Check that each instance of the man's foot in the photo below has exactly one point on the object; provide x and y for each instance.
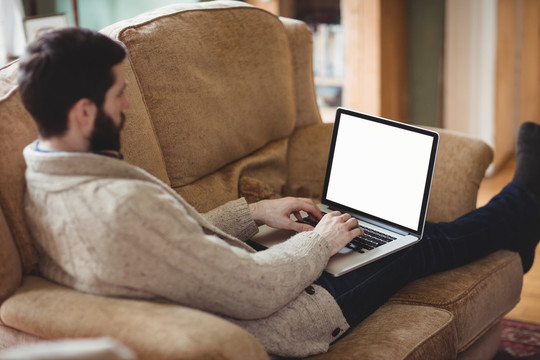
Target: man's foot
(526, 247)
(528, 158)
(527, 175)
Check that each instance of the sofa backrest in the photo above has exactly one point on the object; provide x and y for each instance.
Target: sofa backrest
(17, 130)
(218, 81)
(216, 89)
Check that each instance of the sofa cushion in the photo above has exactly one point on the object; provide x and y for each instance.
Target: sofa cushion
(11, 337)
(301, 47)
(140, 145)
(267, 165)
(477, 294)
(253, 190)
(398, 332)
(307, 168)
(17, 129)
(464, 162)
(153, 330)
(485, 347)
(10, 264)
(217, 83)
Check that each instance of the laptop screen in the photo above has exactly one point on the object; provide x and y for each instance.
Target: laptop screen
(380, 169)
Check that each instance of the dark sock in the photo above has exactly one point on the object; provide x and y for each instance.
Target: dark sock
(527, 253)
(527, 176)
(528, 158)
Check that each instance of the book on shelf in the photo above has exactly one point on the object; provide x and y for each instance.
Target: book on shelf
(328, 63)
(328, 50)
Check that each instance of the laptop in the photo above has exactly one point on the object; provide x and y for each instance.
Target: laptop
(380, 172)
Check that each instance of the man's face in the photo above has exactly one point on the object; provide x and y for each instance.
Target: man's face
(110, 117)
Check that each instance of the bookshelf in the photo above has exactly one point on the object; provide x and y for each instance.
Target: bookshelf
(358, 63)
(324, 19)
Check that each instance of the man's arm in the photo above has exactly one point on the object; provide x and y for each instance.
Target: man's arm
(234, 218)
(148, 241)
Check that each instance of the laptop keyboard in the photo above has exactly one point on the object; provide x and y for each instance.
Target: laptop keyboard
(369, 241)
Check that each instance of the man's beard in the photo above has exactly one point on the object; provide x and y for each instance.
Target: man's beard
(106, 135)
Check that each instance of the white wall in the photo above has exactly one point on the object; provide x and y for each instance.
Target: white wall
(97, 14)
(12, 39)
(469, 74)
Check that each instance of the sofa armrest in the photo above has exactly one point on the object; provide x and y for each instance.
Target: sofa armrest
(153, 330)
(306, 160)
(461, 165)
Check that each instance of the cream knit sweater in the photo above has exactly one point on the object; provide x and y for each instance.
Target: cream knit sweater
(109, 228)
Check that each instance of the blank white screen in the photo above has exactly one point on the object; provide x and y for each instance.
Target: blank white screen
(380, 170)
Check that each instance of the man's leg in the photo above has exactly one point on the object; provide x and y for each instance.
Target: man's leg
(509, 221)
(510, 216)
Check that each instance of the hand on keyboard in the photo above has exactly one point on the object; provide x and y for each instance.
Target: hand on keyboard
(276, 213)
(338, 229)
(368, 240)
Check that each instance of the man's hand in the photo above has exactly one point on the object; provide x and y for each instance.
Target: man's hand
(338, 230)
(277, 213)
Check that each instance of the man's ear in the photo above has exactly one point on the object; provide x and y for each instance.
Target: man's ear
(82, 115)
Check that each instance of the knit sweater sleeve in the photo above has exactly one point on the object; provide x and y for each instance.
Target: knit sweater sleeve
(147, 240)
(234, 218)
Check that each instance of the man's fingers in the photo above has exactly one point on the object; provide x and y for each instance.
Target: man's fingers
(357, 231)
(346, 216)
(300, 227)
(298, 216)
(333, 214)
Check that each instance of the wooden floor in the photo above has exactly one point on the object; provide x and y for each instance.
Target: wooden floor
(528, 308)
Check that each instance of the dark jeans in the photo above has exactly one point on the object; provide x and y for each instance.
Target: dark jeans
(443, 246)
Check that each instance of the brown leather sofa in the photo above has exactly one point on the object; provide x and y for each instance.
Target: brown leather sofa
(223, 105)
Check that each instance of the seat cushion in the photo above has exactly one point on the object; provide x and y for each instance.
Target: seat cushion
(477, 294)
(10, 337)
(155, 331)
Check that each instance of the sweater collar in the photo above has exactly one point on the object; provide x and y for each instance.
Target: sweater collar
(109, 153)
(80, 164)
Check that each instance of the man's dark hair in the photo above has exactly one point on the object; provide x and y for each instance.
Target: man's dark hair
(60, 68)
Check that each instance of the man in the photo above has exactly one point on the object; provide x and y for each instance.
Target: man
(106, 227)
